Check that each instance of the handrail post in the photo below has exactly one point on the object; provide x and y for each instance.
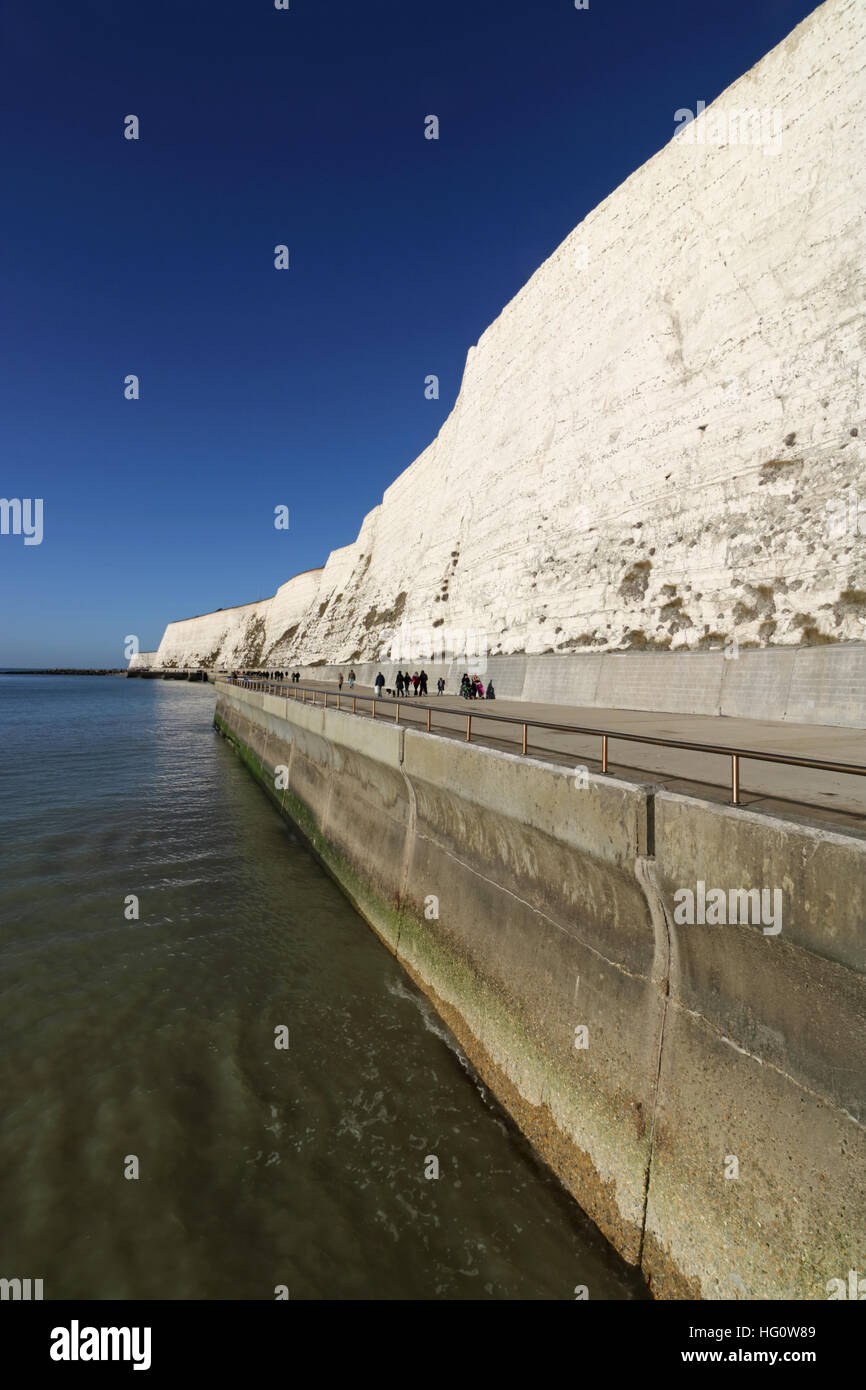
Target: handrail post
(735, 779)
(354, 708)
(604, 752)
(523, 744)
(373, 715)
(397, 713)
(468, 727)
(428, 721)
(338, 699)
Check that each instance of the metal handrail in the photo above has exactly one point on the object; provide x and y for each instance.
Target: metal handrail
(606, 735)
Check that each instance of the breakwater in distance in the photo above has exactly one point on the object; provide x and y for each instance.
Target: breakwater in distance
(694, 1078)
(68, 671)
(154, 1036)
(195, 674)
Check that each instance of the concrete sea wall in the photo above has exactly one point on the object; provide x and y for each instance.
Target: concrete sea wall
(639, 1056)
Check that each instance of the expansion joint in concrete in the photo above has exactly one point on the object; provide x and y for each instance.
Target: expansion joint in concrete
(289, 768)
(411, 828)
(645, 872)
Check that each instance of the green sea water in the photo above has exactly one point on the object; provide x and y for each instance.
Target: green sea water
(147, 1045)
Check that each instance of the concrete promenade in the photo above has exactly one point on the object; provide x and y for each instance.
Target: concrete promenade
(799, 794)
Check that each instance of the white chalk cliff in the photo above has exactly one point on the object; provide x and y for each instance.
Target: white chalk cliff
(658, 443)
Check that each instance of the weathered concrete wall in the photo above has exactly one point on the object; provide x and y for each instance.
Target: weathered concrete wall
(804, 685)
(556, 909)
(764, 1058)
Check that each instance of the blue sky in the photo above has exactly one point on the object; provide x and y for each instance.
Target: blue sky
(259, 387)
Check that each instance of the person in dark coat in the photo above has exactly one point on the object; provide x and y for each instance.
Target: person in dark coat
(379, 683)
(422, 682)
(399, 682)
(491, 693)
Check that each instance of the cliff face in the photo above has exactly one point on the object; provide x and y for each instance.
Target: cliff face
(658, 442)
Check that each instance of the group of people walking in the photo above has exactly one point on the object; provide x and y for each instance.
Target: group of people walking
(403, 683)
(246, 676)
(471, 687)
